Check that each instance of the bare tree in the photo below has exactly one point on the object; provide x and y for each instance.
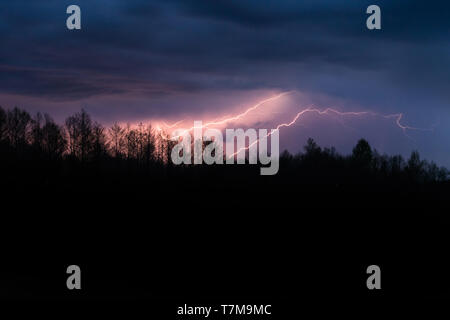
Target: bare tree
(36, 131)
(17, 126)
(80, 135)
(149, 144)
(117, 140)
(54, 142)
(100, 142)
(145, 143)
(131, 143)
(2, 124)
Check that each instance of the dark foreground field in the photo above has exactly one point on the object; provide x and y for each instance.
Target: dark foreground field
(152, 236)
(213, 238)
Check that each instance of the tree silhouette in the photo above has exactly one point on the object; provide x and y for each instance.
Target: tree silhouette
(362, 154)
(38, 149)
(18, 124)
(117, 140)
(54, 142)
(311, 148)
(3, 122)
(99, 141)
(81, 136)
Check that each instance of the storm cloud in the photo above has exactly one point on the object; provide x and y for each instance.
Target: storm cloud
(139, 59)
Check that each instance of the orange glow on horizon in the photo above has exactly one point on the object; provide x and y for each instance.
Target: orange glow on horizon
(164, 129)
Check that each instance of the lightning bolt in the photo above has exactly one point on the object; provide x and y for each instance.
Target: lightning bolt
(168, 126)
(397, 117)
(236, 117)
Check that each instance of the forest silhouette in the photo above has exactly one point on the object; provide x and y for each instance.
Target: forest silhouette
(81, 155)
(81, 192)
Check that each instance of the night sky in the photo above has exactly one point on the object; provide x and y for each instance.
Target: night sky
(138, 60)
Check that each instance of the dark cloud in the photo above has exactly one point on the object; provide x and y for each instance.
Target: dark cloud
(152, 41)
(185, 49)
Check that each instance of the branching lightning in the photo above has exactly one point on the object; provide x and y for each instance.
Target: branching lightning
(397, 117)
(233, 118)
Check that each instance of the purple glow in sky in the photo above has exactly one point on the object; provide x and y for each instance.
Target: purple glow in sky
(138, 61)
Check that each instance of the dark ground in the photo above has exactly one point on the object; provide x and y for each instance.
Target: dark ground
(151, 236)
(243, 241)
